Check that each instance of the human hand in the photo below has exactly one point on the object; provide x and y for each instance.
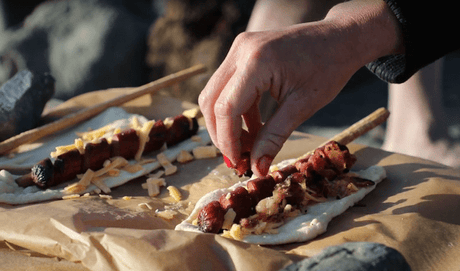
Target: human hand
(303, 67)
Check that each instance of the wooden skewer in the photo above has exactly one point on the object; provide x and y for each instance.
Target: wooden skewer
(358, 129)
(87, 113)
(361, 127)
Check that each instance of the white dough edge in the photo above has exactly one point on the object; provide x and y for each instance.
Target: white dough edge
(302, 228)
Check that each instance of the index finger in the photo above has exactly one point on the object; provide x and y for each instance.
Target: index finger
(238, 97)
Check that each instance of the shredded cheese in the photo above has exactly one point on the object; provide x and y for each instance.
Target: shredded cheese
(235, 232)
(113, 172)
(196, 138)
(191, 113)
(132, 168)
(82, 184)
(153, 186)
(228, 219)
(195, 222)
(156, 175)
(168, 167)
(352, 187)
(174, 193)
(203, 152)
(166, 214)
(143, 134)
(184, 157)
(72, 196)
(145, 206)
(95, 134)
(61, 150)
(168, 122)
(147, 161)
(115, 162)
(101, 184)
(135, 123)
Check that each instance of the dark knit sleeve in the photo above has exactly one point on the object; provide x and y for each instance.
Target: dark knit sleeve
(429, 32)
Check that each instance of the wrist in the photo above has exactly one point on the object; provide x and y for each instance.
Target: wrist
(370, 29)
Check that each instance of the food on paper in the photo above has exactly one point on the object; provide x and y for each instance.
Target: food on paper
(93, 148)
(184, 157)
(114, 119)
(153, 186)
(105, 196)
(144, 205)
(72, 196)
(203, 152)
(166, 214)
(196, 138)
(294, 203)
(174, 193)
(169, 168)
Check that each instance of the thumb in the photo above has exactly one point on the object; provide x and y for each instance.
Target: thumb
(291, 113)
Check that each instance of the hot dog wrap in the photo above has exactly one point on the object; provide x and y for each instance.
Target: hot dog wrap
(301, 228)
(11, 193)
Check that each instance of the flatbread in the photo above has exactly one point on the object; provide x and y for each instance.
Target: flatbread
(11, 193)
(302, 228)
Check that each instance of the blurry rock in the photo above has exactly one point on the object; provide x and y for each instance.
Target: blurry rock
(359, 256)
(15, 11)
(3, 19)
(22, 100)
(85, 44)
(192, 32)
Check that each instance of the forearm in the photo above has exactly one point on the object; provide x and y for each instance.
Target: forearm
(371, 29)
(274, 14)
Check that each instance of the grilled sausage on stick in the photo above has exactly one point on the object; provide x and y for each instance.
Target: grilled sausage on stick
(125, 144)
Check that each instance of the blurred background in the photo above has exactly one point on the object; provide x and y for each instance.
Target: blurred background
(91, 45)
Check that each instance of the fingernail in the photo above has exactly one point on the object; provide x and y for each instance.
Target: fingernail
(228, 162)
(263, 165)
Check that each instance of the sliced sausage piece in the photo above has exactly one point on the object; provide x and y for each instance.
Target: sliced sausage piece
(96, 154)
(211, 217)
(180, 130)
(125, 144)
(67, 166)
(261, 188)
(281, 174)
(157, 137)
(240, 201)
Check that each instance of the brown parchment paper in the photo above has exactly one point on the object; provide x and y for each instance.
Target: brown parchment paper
(415, 210)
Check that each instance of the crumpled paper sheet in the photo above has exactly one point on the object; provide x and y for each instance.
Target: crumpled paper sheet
(415, 210)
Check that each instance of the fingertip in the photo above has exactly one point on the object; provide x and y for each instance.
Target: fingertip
(262, 165)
